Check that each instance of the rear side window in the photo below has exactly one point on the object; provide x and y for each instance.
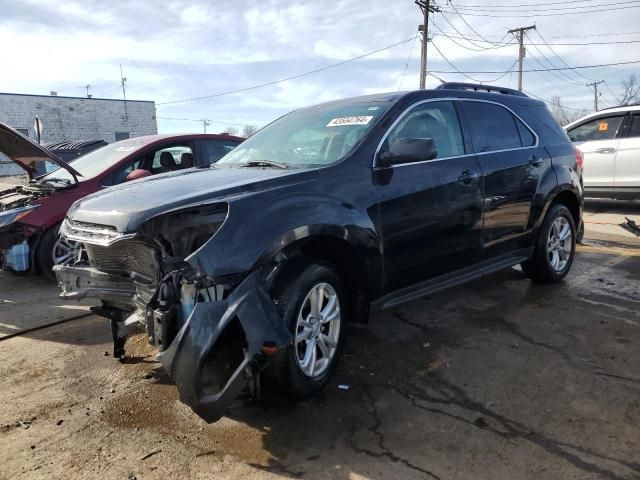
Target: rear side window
(492, 127)
(526, 137)
(635, 127)
(598, 129)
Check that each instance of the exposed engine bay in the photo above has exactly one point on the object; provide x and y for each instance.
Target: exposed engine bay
(213, 335)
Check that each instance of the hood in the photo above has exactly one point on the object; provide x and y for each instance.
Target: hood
(25, 153)
(127, 206)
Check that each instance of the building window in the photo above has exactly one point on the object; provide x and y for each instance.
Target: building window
(121, 136)
(23, 131)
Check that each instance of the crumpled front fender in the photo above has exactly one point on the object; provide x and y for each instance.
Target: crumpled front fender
(185, 358)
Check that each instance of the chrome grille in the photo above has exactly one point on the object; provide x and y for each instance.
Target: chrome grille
(92, 233)
(123, 258)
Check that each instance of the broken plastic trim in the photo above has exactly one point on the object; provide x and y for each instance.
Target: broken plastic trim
(185, 358)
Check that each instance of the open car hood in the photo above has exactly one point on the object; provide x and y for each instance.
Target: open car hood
(25, 153)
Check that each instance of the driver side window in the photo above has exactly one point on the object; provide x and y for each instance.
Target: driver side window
(435, 120)
(120, 175)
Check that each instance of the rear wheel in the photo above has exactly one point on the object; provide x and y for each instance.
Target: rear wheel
(310, 299)
(555, 248)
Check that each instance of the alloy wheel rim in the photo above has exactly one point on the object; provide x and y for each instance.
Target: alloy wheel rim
(65, 251)
(317, 330)
(559, 244)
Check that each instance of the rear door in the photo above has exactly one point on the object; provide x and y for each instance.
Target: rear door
(430, 212)
(512, 162)
(597, 139)
(627, 163)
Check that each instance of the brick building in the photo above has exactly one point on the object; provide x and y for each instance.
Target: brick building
(75, 118)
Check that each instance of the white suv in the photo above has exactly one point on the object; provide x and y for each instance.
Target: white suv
(610, 141)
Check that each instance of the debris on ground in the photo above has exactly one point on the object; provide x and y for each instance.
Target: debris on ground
(59, 422)
(151, 453)
(631, 226)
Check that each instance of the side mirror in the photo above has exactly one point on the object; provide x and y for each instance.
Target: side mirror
(137, 173)
(407, 150)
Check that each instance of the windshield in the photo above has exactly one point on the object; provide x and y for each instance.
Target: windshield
(97, 161)
(311, 137)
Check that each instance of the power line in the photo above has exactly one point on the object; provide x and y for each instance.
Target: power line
(407, 64)
(559, 44)
(554, 74)
(203, 120)
(560, 14)
(480, 47)
(542, 7)
(558, 57)
(474, 31)
(524, 4)
(561, 74)
(615, 34)
(503, 74)
(633, 62)
(452, 38)
(293, 77)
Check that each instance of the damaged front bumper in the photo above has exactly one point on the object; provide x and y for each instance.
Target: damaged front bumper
(209, 380)
(214, 351)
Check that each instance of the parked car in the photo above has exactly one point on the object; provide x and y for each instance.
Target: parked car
(30, 214)
(254, 267)
(69, 151)
(610, 142)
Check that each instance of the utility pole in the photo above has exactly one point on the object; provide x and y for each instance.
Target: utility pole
(87, 86)
(123, 80)
(595, 93)
(205, 124)
(519, 33)
(427, 7)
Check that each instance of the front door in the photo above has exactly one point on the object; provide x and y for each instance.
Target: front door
(627, 165)
(513, 164)
(430, 212)
(597, 139)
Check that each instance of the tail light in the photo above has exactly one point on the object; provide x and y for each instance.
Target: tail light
(579, 158)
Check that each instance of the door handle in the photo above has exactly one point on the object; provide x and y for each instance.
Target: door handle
(468, 177)
(606, 150)
(535, 161)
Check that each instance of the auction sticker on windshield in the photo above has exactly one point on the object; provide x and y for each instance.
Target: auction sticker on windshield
(360, 120)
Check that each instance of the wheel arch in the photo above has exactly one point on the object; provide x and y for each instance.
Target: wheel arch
(360, 280)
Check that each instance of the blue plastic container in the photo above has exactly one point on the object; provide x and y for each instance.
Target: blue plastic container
(17, 257)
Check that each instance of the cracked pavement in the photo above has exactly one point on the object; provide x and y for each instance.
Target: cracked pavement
(497, 379)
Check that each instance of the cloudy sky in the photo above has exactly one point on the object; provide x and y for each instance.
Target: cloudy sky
(173, 50)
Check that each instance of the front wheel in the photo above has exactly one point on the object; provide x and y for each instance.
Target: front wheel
(555, 248)
(54, 250)
(310, 300)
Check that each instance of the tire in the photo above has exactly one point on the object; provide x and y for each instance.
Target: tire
(580, 233)
(292, 295)
(546, 266)
(44, 253)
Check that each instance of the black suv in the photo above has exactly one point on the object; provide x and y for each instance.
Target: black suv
(251, 269)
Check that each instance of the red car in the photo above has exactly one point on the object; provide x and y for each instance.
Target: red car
(30, 214)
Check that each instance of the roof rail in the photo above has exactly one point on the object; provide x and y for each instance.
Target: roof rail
(478, 87)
